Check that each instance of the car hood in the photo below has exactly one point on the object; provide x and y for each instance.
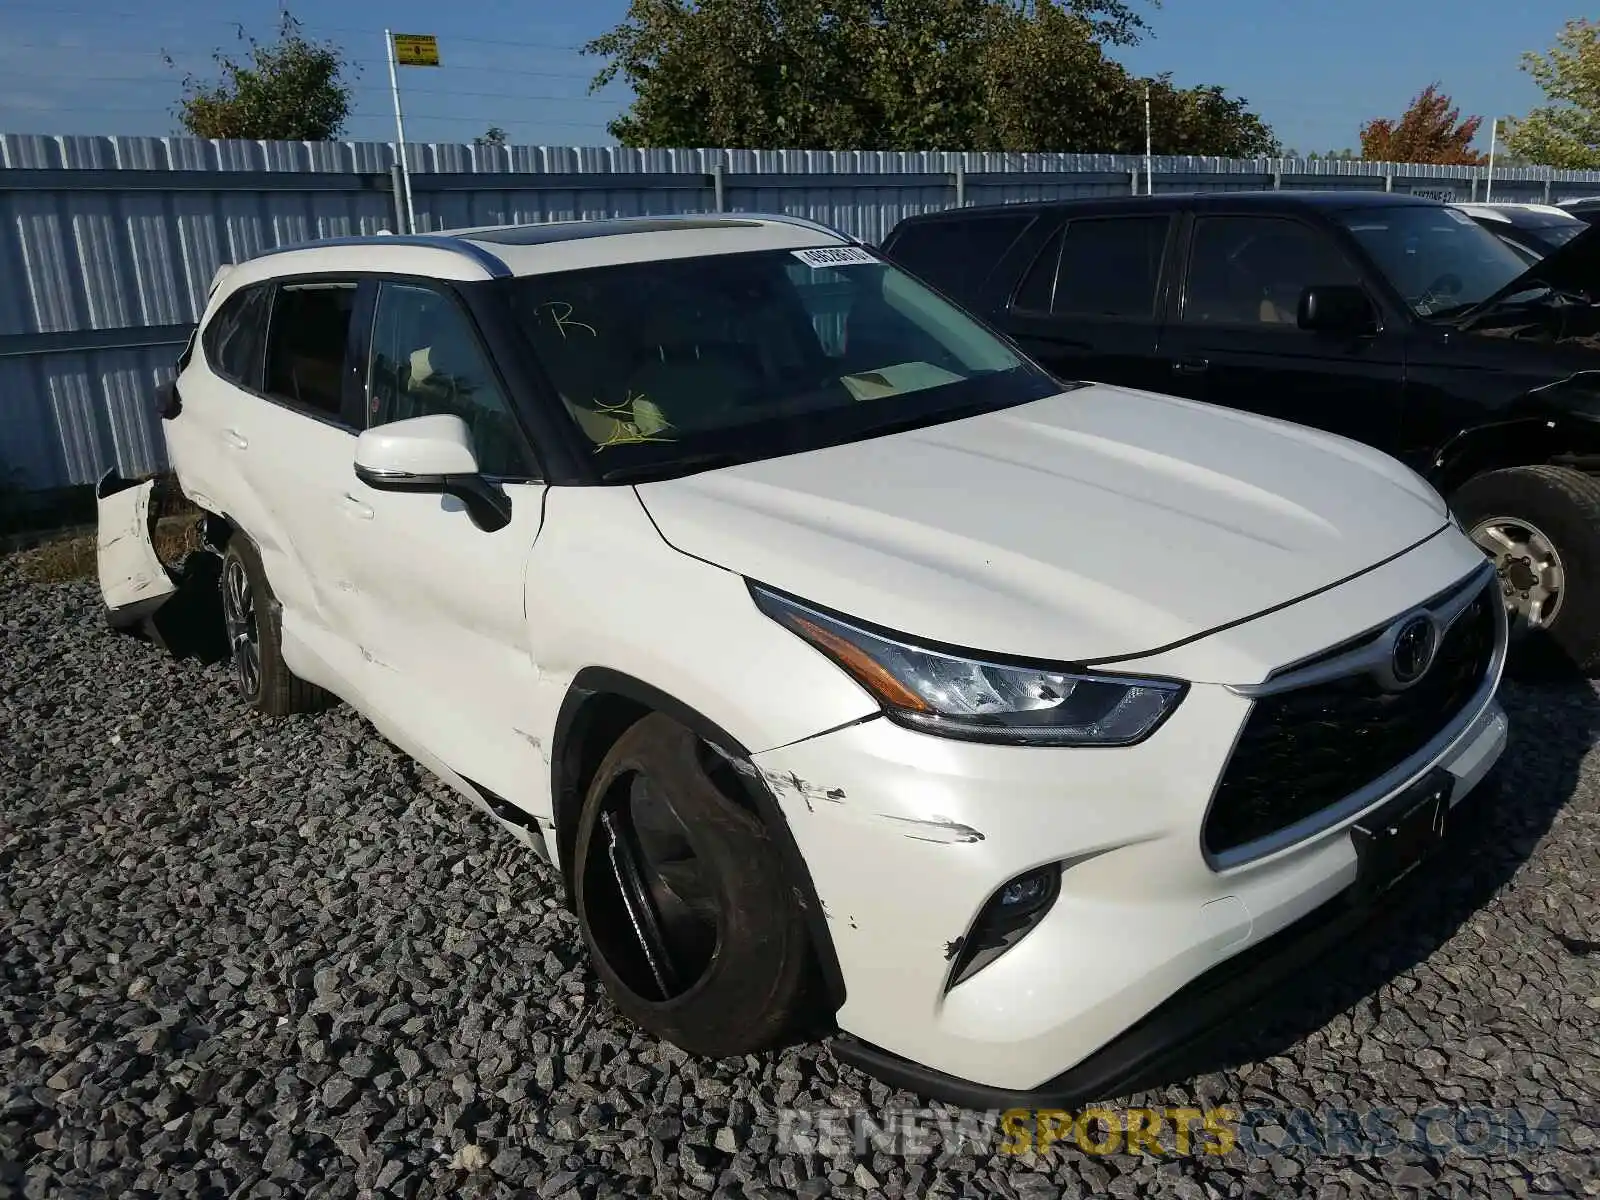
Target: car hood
(1097, 523)
(1574, 267)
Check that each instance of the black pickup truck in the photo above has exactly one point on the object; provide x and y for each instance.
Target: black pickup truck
(1390, 319)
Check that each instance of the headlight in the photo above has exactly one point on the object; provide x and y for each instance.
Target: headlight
(977, 699)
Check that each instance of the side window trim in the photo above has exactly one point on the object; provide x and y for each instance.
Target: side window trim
(1180, 302)
(525, 444)
(1052, 247)
(353, 396)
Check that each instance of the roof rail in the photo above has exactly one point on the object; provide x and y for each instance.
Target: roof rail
(433, 241)
(805, 223)
(457, 241)
(669, 218)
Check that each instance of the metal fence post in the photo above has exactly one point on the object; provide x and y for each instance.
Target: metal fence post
(397, 190)
(1133, 177)
(1277, 179)
(961, 185)
(1548, 179)
(719, 196)
(1388, 181)
(1474, 182)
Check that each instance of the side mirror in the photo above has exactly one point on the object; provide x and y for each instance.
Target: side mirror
(1337, 308)
(432, 455)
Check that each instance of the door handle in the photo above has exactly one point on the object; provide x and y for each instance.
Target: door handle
(1193, 365)
(359, 509)
(235, 439)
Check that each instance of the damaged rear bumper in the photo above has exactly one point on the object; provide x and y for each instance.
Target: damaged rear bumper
(178, 608)
(134, 582)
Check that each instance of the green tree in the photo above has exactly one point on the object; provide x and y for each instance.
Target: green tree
(904, 75)
(1430, 131)
(1565, 132)
(493, 136)
(293, 89)
(1204, 120)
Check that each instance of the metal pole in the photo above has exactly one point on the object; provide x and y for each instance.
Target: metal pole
(961, 185)
(400, 133)
(397, 188)
(1494, 133)
(1149, 171)
(718, 186)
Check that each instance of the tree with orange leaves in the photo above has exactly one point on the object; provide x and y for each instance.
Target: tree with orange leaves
(1430, 131)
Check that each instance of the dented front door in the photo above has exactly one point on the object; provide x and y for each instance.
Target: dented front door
(432, 602)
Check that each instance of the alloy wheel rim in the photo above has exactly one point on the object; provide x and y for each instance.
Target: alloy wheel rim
(1531, 574)
(244, 638)
(672, 922)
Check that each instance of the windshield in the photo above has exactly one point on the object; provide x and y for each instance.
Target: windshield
(668, 365)
(1439, 259)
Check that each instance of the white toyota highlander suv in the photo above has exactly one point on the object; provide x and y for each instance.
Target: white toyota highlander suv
(845, 663)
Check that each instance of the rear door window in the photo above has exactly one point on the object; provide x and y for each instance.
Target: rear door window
(1036, 293)
(957, 256)
(306, 343)
(1110, 266)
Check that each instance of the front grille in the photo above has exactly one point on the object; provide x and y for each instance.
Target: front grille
(1303, 750)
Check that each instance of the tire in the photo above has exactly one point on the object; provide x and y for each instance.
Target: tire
(735, 989)
(253, 624)
(1563, 507)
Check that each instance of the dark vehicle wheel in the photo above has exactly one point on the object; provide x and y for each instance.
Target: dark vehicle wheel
(250, 618)
(1541, 526)
(682, 899)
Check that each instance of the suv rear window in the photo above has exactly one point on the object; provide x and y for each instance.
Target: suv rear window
(957, 256)
(306, 345)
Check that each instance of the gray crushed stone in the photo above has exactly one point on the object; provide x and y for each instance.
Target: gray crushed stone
(253, 958)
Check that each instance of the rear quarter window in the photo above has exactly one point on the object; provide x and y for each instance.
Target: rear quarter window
(233, 338)
(957, 256)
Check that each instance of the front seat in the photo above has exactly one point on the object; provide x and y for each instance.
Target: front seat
(694, 380)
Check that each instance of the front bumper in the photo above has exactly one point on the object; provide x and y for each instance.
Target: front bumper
(906, 836)
(1157, 1049)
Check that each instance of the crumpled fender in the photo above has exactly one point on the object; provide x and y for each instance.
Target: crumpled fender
(133, 581)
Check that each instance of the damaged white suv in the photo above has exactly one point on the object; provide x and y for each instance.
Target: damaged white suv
(846, 663)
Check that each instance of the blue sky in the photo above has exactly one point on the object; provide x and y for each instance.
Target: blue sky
(1313, 71)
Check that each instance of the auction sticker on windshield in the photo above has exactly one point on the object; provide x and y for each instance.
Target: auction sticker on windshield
(836, 256)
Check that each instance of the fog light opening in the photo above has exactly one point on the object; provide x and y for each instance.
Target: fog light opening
(1005, 919)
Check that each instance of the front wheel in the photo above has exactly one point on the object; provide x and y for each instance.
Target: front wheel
(683, 900)
(1541, 527)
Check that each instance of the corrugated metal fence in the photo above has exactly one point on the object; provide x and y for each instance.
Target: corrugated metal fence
(109, 244)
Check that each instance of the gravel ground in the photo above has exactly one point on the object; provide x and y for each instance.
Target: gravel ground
(241, 957)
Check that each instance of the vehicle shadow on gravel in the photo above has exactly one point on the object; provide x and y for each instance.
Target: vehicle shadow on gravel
(1553, 727)
(190, 625)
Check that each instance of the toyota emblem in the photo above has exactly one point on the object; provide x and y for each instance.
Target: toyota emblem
(1414, 645)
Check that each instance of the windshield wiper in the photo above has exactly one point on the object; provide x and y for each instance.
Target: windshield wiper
(1463, 315)
(687, 465)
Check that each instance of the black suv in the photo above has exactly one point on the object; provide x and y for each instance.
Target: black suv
(1390, 319)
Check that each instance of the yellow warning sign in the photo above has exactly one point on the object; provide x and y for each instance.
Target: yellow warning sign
(416, 50)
